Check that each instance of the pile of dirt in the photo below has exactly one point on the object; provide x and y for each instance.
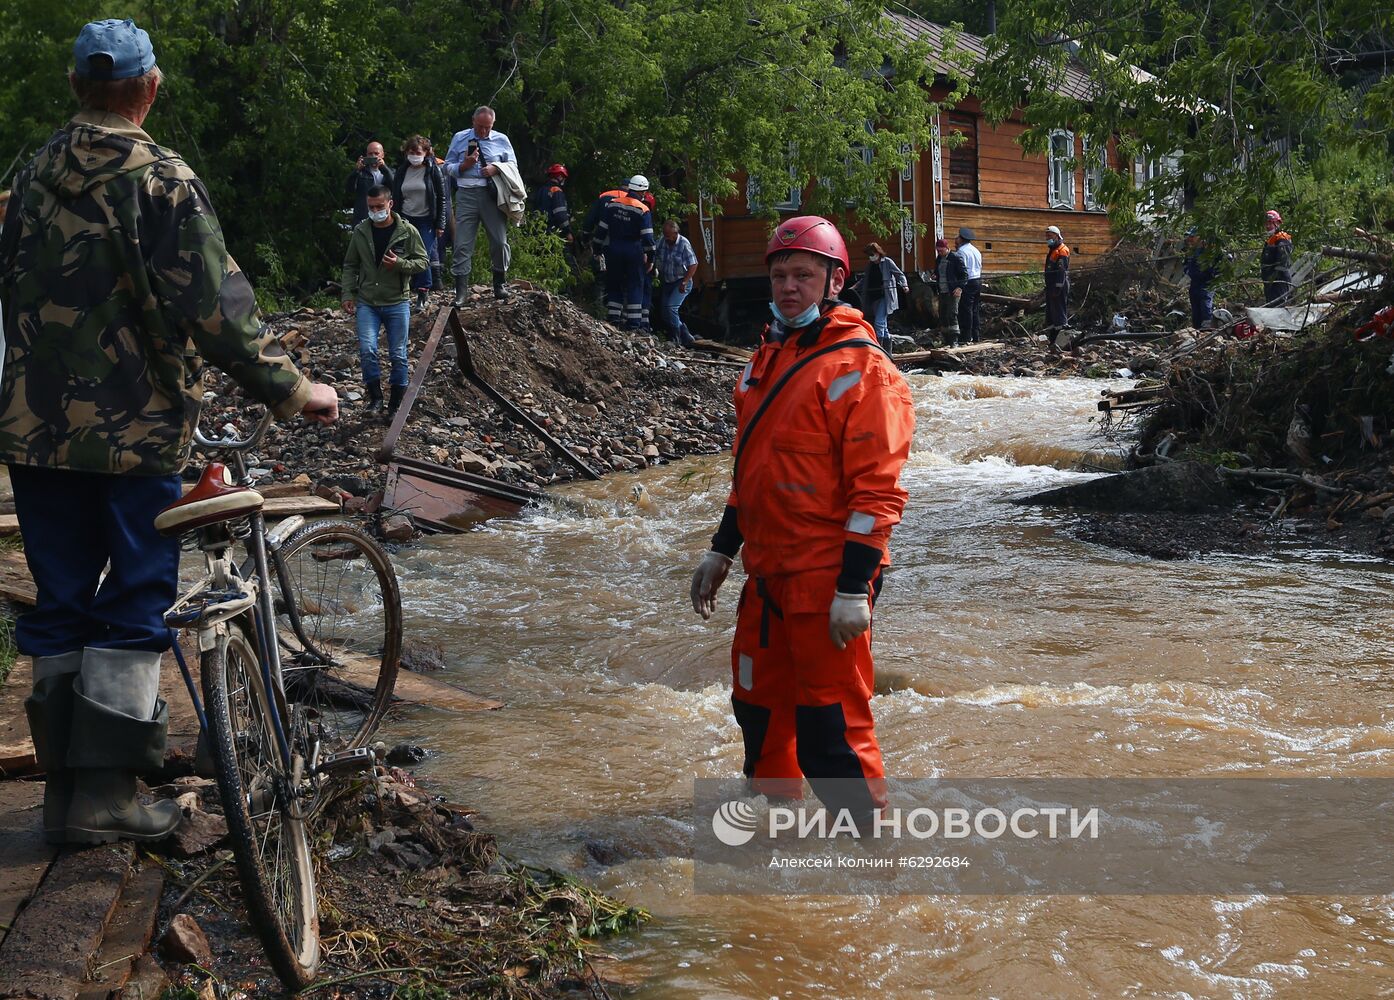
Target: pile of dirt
(619, 400)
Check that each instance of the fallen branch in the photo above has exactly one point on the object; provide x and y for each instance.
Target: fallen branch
(1365, 257)
(1278, 476)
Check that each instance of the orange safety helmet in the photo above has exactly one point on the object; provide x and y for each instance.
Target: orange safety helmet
(557, 170)
(811, 234)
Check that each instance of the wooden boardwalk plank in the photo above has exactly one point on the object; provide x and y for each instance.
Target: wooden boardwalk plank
(24, 857)
(49, 948)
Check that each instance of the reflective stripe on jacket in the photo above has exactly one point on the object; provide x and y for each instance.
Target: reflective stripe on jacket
(822, 465)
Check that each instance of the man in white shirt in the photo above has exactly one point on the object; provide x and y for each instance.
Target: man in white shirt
(969, 323)
(470, 163)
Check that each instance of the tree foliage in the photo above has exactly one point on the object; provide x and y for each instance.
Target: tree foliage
(272, 100)
(1263, 104)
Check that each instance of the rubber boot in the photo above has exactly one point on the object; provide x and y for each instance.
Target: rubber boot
(394, 400)
(500, 289)
(421, 295)
(119, 727)
(50, 712)
(462, 290)
(374, 397)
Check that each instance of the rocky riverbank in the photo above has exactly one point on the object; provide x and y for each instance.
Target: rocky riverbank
(620, 401)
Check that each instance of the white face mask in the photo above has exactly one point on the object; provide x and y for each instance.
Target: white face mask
(415, 159)
(380, 216)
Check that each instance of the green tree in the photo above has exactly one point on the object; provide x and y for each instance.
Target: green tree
(1263, 105)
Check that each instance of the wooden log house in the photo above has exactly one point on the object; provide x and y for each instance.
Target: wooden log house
(987, 182)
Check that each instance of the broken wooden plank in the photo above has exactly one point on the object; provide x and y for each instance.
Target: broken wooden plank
(128, 935)
(53, 939)
(24, 856)
(726, 350)
(16, 583)
(275, 508)
(362, 672)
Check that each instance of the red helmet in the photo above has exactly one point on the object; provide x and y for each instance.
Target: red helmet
(812, 234)
(1272, 216)
(557, 170)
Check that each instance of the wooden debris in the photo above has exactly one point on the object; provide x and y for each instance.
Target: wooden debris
(54, 938)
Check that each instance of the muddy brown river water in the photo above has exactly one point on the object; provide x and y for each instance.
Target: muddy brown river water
(1004, 648)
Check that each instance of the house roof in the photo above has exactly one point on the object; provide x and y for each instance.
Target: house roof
(1076, 83)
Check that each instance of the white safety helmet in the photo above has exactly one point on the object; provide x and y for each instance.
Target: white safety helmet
(638, 183)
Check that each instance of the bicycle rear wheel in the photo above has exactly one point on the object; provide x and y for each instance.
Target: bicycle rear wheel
(339, 627)
(266, 819)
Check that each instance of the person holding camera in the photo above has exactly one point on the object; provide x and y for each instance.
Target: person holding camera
(370, 171)
(472, 160)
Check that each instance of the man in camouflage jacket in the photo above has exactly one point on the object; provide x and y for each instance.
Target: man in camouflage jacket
(116, 286)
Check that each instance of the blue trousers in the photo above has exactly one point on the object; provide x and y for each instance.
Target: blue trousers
(426, 227)
(396, 318)
(624, 266)
(1202, 304)
(673, 298)
(74, 523)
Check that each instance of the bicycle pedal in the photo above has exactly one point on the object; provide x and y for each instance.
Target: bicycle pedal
(347, 762)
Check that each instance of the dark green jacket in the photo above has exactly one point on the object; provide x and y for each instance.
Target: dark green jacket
(364, 280)
(117, 287)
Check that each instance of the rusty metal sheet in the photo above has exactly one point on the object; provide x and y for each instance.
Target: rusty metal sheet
(447, 500)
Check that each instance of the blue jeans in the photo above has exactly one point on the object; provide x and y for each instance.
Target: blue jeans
(396, 318)
(673, 298)
(877, 315)
(426, 227)
(73, 523)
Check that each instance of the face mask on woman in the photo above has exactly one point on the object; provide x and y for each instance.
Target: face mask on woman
(416, 159)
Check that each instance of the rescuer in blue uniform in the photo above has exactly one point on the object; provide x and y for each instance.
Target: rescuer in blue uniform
(624, 236)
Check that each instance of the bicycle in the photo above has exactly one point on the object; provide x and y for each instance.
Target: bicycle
(299, 647)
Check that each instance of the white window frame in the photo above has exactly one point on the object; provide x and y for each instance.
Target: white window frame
(1061, 169)
(1095, 163)
(865, 152)
(793, 200)
(1148, 169)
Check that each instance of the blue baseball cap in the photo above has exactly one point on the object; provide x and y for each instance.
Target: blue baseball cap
(126, 47)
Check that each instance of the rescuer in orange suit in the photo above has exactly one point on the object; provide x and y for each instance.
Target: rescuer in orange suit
(824, 423)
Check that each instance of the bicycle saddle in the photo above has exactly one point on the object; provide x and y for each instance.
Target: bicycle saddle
(213, 499)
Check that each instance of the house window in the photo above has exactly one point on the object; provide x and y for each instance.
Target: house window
(1061, 185)
(1159, 172)
(792, 196)
(861, 152)
(963, 159)
(1095, 163)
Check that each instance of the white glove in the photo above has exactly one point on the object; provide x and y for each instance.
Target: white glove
(849, 617)
(706, 580)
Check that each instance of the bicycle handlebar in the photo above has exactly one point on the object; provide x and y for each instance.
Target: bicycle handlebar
(232, 443)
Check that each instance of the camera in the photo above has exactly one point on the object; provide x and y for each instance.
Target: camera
(371, 162)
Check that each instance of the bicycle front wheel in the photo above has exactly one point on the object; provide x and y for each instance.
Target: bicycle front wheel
(266, 824)
(339, 627)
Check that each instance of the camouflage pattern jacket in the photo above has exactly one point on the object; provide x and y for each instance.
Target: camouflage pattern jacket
(117, 286)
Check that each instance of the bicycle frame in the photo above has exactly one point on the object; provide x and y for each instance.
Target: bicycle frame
(224, 595)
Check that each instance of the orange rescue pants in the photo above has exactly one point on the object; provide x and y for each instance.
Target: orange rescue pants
(803, 705)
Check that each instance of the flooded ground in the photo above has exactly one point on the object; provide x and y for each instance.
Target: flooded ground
(1004, 648)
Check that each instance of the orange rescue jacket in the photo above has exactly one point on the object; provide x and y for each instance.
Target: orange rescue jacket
(818, 459)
